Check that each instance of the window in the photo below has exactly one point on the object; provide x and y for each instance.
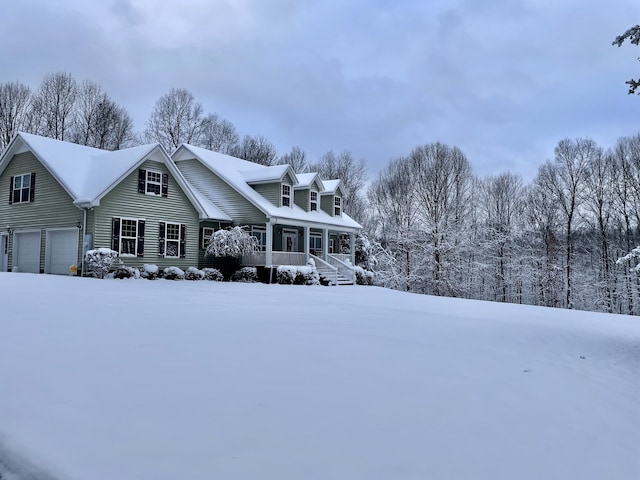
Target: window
(313, 198)
(128, 236)
(261, 234)
(315, 244)
(21, 188)
(171, 240)
(153, 182)
(337, 206)
(207, 233)
(286, 195)
(331, 246)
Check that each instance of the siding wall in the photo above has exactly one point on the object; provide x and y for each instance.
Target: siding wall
(271, 191)
(52, 206)
(221, 194)
(326, 204)
(125, 201)
(302, 199)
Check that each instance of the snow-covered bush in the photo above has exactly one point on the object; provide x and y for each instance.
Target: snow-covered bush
(213, 274)
(245, 274)
(365, 252)
(149, 271)
(298, 274)
(193, 273)
(232, 242)
(173, 273)
(363, 277)
(100, 260)
(126, 272)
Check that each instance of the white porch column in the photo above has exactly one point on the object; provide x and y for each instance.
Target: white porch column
(325, 244)
(306, 244)
(269, 249)
(352, 247)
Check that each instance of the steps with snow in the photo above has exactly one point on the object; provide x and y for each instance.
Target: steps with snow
(327, 275)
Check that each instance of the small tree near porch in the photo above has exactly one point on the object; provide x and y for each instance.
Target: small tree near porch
(230, 244)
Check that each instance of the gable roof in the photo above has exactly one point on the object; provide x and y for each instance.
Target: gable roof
(233, 171)
(87, 174)
(331, 187)
(306, 180)
(273, 173)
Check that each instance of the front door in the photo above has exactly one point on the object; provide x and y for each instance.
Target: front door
(290, 240)
(4, 252)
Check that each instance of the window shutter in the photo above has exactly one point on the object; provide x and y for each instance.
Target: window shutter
(32, 192)
(142, 180)
(161, 237)
(115, 234)
(165, 185)
(183, 240)
(140, 251)
(10, 190)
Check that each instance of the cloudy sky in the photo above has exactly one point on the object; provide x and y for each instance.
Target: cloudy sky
(504, 80)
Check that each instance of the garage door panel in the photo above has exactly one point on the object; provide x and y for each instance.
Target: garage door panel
(62, 250)
(26, 247)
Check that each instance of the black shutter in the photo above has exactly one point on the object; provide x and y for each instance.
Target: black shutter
(140, 252)
(183, 240)
(161, 237)
(165, 185)
(142, 181)
(115, 234)
(10, 190)
(32, 192)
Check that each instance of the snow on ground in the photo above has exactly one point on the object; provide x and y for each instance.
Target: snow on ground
(152, 380)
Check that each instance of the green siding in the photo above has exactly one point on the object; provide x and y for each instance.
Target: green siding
(326, 204)
(125, 201)
(271, 191)
(220, 193)
(52, 206)
(208, 260)
(302, 199)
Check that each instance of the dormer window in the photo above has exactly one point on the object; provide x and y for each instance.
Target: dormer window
(286, 195)
(313, 199)
(337, 206)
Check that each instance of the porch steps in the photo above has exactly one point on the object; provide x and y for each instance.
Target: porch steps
(328, 275)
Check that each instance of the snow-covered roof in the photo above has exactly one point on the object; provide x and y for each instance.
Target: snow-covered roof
(232, 170)
(87, 173)
(274, 173)
(330, 186)
(306, 180)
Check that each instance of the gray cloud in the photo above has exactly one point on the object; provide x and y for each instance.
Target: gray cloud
(504, 80)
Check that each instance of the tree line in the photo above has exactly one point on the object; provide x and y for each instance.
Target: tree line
(431, 224)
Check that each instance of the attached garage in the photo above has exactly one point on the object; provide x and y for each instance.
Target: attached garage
(61, 250)
(26, 252)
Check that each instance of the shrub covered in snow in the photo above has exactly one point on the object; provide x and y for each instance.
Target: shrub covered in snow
(232, 242)
(363, 277)
(150, 271)
(173, 273)
(193, 273)
(298, 275)
(126, 272)
(245, 274)
(213, 274)
(100, 260)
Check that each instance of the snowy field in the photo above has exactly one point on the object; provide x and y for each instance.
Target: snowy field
(141, 380)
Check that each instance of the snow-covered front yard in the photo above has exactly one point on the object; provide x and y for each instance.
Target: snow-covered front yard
(154, 380)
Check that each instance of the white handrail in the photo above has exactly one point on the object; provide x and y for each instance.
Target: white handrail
(334, 270)
(345, 269)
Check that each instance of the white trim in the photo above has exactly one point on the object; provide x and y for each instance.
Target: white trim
(13, 191)
(204, 244)
(311, 201)
(148, 182)
(337, 206)
(288, 232)
(135, 249)
(262, 230)
(286, 196)
(173, 240)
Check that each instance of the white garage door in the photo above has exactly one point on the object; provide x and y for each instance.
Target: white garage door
(61, 251)
(26, 252)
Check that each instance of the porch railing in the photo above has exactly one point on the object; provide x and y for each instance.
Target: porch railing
(259, 259)
(343, 257)
(344, 269)
(330, 271)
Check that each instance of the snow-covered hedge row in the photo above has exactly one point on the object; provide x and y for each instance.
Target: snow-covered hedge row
(245, 274)
(298, 275)
(363, 277)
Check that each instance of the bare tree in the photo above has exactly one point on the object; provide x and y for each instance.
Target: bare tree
(15, 102)
(176, 118)
(297, 159)
(219, 135)
(53, 105)
(257, 150)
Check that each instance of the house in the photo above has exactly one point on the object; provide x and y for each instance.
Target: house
(62, 199)
(294, 216)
